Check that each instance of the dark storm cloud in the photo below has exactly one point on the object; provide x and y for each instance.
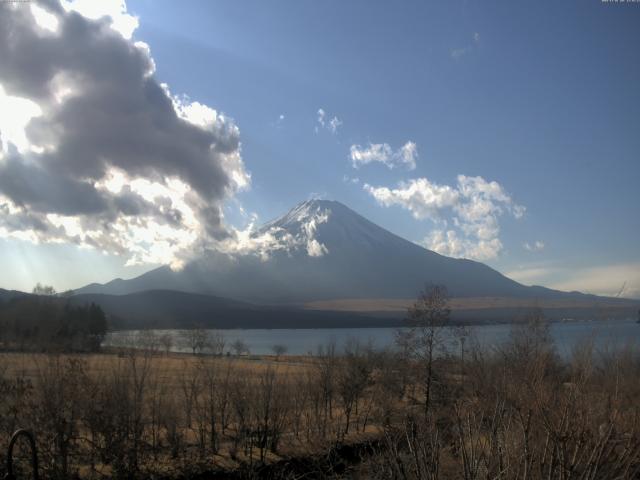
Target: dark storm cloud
(30, 185)
(102, 109)
(25, 221)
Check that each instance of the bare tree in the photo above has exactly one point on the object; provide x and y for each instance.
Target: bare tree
(44, 290)
(270, 408)
(425, 335)
(147, 340)
(196, 339)
(240, 347)
(323, 383)
(212, 383)
(166, 340)
(216, 343)
(190, 385)
(58, 398)
(353, 378)
(279, 350)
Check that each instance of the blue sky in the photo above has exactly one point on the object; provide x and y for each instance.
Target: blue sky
(541, 97)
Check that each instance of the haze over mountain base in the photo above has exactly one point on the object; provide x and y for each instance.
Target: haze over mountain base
(323, 265)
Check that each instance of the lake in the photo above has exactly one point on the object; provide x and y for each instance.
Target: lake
(611, 334)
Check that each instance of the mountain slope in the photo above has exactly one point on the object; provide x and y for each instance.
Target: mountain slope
(7, 295)
(323, 250)
(172, 309)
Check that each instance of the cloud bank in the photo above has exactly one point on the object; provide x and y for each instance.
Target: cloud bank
(617, 280)
(405, 156)
(94, 150)
(469, 212)
(536, 246)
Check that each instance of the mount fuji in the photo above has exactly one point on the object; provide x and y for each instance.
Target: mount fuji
(322, 250)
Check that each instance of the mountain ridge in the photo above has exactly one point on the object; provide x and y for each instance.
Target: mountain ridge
(322, 250)
(182, 310)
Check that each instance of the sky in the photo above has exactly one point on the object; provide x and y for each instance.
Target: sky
(506, 132)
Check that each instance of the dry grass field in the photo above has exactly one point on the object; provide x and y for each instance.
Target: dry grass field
(471, 303)
(515, 413)
(169, 369)
(177, 412)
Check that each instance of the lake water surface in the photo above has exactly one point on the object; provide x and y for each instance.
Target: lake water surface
(611, 334)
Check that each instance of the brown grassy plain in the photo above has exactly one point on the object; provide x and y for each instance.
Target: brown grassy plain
(517, 412)
(178, 412)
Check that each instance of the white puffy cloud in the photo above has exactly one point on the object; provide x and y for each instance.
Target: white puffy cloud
(451, 244)
(420, 196)
(473, 206)
(313, 246)
(94, 151)
(330, 123)
(383, 153)
(536, 246)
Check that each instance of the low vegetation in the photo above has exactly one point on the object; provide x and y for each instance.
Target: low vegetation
(45, 321)
(428, 409)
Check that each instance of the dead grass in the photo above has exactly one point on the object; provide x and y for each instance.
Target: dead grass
(469, 303)
(171, 367)
(167, 376)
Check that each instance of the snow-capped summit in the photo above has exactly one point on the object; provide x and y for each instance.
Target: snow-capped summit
(296, 231)
(302, 213)
(332, 225)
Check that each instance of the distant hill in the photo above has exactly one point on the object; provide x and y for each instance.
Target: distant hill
(172, 309)
(6, 295)
(175, 309)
